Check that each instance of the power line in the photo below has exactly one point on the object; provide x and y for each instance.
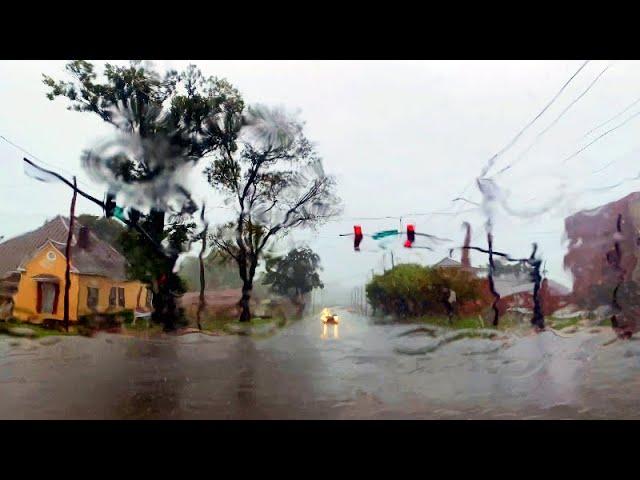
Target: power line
(492, 160)
(403, 216)
(42, 161)
(627, 108)
(600, 136)
(566, 109)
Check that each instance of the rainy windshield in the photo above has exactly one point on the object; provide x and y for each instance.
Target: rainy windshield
(319, 240)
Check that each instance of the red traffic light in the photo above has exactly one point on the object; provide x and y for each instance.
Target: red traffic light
(357, 230)
(411, 236)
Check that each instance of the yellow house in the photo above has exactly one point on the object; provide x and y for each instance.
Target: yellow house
(32, 276)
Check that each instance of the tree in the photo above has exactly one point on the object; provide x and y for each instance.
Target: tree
(106, 229)
(165, 125)
(515, 268)
(220, 272)
(277, 180)
(294, 275)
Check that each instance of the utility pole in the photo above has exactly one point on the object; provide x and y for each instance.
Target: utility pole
(364, 300)
(67, 273)
(353, 298)
(201, 302)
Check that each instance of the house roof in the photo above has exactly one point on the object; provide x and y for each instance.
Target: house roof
(99, 258)
(448, 262)
(511, 286)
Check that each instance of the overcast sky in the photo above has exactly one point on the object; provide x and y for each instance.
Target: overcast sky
(402, 137)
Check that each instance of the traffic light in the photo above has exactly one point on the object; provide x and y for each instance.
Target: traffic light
(357, 230)
(113, 210)
(110, 205)
(411, 236)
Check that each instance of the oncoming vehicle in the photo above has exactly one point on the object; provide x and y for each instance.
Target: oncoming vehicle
(329, 318)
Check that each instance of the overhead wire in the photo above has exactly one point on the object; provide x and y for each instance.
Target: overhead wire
(554, 122)
(23, 150)
(492, 160)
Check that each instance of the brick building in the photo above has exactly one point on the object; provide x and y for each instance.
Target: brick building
(592, 235)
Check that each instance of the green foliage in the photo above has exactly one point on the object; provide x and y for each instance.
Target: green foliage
(199, 113)
(143, 261)
(510, 268)
(219, 273)
(106, 229)
(415, 290)
(178, 116)
(295, 274)
(278, 181)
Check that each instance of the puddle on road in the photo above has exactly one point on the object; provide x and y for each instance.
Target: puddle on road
(307, 372)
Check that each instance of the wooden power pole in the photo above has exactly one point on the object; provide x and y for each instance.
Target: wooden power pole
(67, 273)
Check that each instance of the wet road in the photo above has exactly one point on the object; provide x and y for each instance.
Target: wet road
(305, 373)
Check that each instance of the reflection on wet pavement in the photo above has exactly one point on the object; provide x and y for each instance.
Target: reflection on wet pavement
(312, 370)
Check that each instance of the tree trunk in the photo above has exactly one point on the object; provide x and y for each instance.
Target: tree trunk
(201, 301)
(247, 287)
(165, 305)
(166, 311)
(299, 302)
(245, 315)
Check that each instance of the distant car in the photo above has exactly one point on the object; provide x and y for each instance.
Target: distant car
(329, 318)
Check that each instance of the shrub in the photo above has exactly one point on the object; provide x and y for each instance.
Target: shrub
(414, 290)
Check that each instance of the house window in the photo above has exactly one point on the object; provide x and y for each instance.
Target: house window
(112, 297)
(92, 297)
(149, 300)
(121, 296)
(47, 297)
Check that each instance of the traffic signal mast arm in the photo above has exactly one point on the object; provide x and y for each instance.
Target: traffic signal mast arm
(411, 236)
(64, 180)
(100, 203)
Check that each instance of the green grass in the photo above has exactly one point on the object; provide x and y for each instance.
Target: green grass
(605, 322)
(142, 325)
(560, 323)
(39, 330)
(506, 322)
(215, 324)
(228, 326)
(457, 323)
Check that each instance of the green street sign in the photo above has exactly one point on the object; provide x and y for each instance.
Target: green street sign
(384, 233)
(118, 212)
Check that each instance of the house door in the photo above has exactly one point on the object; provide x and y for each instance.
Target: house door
(49, 293)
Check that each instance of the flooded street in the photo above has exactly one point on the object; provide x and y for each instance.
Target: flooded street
(360, 371)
